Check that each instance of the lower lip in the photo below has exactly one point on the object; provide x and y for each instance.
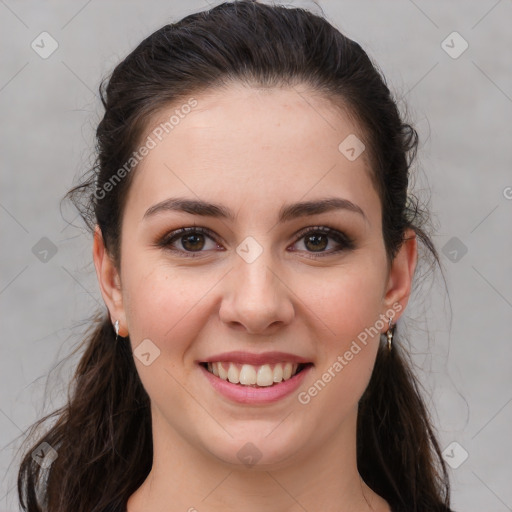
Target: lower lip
(250, 395)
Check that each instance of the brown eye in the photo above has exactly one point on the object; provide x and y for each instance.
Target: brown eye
(316, 240)
(192, 242)
(186, 241)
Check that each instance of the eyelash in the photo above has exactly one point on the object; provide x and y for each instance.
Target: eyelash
(341, 238)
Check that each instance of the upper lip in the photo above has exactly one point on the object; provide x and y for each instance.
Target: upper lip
(241, 357)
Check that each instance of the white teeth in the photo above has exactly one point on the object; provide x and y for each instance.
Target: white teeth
(233, 374)
(223, 374)
(278, 373)
(249, 375)
(287, 371)
(265, 376)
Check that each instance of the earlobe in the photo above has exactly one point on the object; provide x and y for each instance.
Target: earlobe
(109, 281)
(401, 275)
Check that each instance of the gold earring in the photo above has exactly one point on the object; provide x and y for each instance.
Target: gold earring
(389, 334)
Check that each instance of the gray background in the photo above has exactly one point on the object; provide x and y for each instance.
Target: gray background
(462, 109)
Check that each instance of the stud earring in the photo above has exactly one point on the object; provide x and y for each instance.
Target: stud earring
(389, 334)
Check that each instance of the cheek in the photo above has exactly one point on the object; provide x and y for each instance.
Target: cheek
(163, 303)
(346, 308)
(345, 302)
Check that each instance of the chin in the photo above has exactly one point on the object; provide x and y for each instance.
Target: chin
(253, 448)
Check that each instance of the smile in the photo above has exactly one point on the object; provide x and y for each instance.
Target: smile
(251, 375)
(289, 375)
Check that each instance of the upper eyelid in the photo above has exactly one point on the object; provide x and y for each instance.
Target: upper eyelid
(212, 234)
(298, 235)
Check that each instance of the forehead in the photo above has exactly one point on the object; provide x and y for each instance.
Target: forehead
(251, 147)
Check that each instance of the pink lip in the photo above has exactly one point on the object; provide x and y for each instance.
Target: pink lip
(255, 359)
(253, 396)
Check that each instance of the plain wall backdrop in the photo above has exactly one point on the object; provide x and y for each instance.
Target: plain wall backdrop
(447, 62)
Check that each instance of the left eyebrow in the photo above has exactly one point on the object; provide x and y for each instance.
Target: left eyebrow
(286, 213)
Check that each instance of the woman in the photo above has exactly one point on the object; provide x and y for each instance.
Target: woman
(255, 246)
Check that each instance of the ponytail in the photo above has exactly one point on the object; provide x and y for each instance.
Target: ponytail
(397, 452)
(103, 435)
(104, 430)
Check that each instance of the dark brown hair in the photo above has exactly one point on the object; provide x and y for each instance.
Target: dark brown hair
(103, 434)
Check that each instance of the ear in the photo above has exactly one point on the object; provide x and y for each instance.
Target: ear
(109, 281)
(401, 275)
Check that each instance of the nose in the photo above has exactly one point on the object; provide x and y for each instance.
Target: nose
(256, 298)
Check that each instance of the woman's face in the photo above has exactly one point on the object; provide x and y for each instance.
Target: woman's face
(251, 281)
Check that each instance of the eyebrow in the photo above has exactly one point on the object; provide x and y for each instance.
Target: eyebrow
(286, 213)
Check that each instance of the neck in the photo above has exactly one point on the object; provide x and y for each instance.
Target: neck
(323, 477)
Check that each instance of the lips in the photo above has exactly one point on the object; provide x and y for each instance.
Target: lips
(256, 396)
(255, 378)
(246, 374)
